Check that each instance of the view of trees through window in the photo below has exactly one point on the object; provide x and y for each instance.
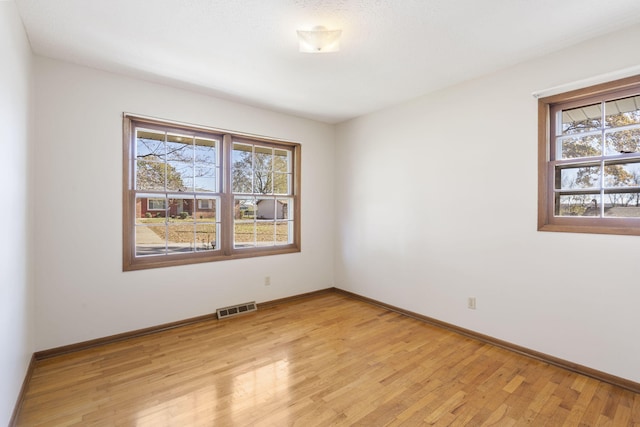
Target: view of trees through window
(261, 182)
(597, 159)
(176, 203)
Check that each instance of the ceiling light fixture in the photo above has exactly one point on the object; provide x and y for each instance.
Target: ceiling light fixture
(319, 40)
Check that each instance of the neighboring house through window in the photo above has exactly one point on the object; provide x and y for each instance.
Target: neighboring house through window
(205, 204)
(192, 194)
(589, 160)
(156, 204)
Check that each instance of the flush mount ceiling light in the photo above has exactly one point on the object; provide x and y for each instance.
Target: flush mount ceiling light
(319, 40)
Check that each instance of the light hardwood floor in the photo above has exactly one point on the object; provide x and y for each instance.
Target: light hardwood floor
(326, 360)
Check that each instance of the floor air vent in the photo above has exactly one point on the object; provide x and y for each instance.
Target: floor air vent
(235, 310)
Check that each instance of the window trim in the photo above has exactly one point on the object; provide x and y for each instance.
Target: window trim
(546, 219)
(225, 249)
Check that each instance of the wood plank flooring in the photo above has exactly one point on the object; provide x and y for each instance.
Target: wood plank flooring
(328, 360)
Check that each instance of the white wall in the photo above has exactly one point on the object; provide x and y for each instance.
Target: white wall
(82, 292)
(437, 202)
(16, 290)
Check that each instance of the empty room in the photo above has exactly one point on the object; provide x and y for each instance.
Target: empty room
(315, 213)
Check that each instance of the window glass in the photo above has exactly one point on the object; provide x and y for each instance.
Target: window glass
(578, 205)
(622, 175)
(623, 141)
(572, 147)
(622, 112)
(579, 177)
(242, 168)
(622, 205)
(150, 239)
(581, 119)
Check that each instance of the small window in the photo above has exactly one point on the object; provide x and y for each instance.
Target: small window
(156, 204)
(196, 195)
(205, 204)
(589, 160)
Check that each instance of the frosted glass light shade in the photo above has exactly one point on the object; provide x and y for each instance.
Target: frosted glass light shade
(319, 40)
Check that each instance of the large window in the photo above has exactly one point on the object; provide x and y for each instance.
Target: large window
(589, 160)
(193, 195)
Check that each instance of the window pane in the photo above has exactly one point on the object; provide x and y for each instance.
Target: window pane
(244, 208)
(622, 205)
(581, 119)
(244, 234)
(180, 230)
(262, 182)
(622, 112)
(572, 147)
(242, 180)
(269, 208)
(265, 209)
(179, 176)
(265, 233)
(180, 208)
(180, 236)
(205, 181)
(242, 168)
(622, 175)
(150, 209)
(206, 209)
(578, 205)
(284, 209)
(205, 151)
(281, 183)
(180, 148)
(578, 177)
(244, 229)
(206, 236)
(263, 160)
(282, 160)
(150, 174)
(242, 155)
(150, 240)
(149, 145)
(284, 232)
(625, 141)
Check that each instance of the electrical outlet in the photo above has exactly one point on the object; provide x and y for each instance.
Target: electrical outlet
(471, 303)
(267, 280)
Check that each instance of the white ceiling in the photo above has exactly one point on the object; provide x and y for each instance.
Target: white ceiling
(246, 50)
